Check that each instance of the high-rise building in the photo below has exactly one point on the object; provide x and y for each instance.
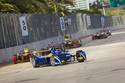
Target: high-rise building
(79, 5)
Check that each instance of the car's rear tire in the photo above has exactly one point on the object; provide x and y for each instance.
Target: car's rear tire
(93, 37)
(14, 59)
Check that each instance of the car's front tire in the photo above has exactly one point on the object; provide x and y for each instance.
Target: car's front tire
(33, 61)
(80, 56)
(52, 61)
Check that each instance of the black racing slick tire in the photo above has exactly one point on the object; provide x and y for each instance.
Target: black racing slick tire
(33, 62)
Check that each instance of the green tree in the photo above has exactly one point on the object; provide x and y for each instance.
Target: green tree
(6, 8)
(33, 6)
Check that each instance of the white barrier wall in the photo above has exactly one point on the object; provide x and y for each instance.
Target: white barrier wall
(5, 54)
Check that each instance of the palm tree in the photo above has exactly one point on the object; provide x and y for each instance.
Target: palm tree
(33, 6)
(6, 7)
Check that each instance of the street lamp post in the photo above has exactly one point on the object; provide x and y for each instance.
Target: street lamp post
(103, 7)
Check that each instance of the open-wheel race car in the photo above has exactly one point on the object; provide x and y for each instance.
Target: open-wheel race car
(55, 57)
(22, 56)
(101, 35)
(72, 44)
(51, 57)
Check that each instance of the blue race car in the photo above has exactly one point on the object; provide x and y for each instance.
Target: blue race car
(50, 57)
